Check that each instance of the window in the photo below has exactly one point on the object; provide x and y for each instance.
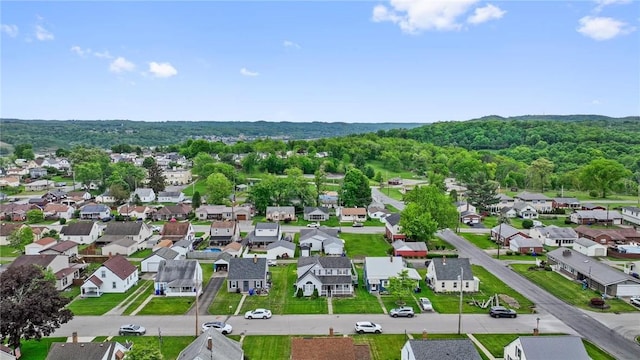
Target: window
(466, 284)
(455, 285)
(113, 285)
(443, 284)
(64, 281)
(103, 274)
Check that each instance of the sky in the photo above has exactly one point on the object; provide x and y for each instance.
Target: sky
(331, 61)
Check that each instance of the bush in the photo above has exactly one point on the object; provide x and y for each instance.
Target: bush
(593, 194)
(63, 221)
(299, 293)
(509, 252)
(596, 302)
(432, 256)
(548, 268)
(568, 221)
(315, 293)
(527, 223)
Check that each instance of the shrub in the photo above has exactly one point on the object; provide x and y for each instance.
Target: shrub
(299, 293)
(568, 221)
(527, 223)
(596, 302)
(548, 268)
(593, 194)
(63, 221)
(509, 252)
(315, 293)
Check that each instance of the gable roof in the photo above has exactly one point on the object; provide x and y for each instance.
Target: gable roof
(505, 231)
(266, 226)
(281, 209)
(353, 211)
(615, 234)
(123, 228)
(171, 270)
(223, 348)
(600, 272)
(78, 229)
(81, 350)
(323, 232)
(598, 214)
(42, 260)
(454, 349)
(310, 209)
(449, 269)
(285, 244)
(524, 242)
(586, 242)
(45, 241)
(527, 196)
(384, 267)
(247, 268)
(7, 228)
(393, 219)
(553, 347)
(94, 208)
(413, 245)
(144, 192)
(327, 262)
(120, 266)
(175, 228)
(165, 253)
(556, 232)
(63, 246)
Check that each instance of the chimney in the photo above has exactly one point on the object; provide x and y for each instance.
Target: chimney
(330, 331)
(566, 253)
(210, 343)
(255, 259)
(444, 260)
(74, 337)
(424, 334)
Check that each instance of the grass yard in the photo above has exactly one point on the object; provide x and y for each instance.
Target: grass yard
(595, 353)
(388, 174)
(171, 305)
(569, 291)
(8, 251)
(142, 254)
(200, 186)
(557, 221)
(100, 305)
(362, 302)
(37, 350)
(361, 245)
(171, 345)
(71, 292)
(139, 298)
(521, 257)
(436, 243)
(382, 346)
(207, 273)
(391, 208)
(225, 303)
(480, 240)
(270, 347)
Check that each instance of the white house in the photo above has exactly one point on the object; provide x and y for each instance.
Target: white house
(265, 233)
(179, 278)
(553, 235)
(35, 247)
(63, 272)
(631, 215)
(333, 246)
(170, 196)
(316, 237)
(597, 217)
(106, 198)
(83, 232)
(538, 201)
(59, 211)
(137, 212)
(330, 276)
(378, 270)
(443, 275)
(546, 348)
(67, 248)
(116, 275)
(525, 210)
(504, 201)
(278, 249)
(182, 247)
(152, 262)
(123, 246)
(146, 195)
(94, 212)
(589, 247)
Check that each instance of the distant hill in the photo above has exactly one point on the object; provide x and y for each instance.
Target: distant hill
(53, 134)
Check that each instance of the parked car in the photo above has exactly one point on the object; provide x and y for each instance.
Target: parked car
(313, 225)
(425, 304)
(404, 311)
(501, 311)
(272, 262)
(224, 328)
(635, 300)
(258, 314)
(368, 327)
(357, 224)
(156, 228)
(131, 329)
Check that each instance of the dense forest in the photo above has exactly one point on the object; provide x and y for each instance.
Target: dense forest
(53, 134)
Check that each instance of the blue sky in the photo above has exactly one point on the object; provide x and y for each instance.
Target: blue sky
(359, 61)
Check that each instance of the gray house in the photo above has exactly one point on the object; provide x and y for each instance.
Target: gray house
(212, 345)
(264, 234)
(316, 213)
(331, 276)
(246, 274)
(545, 348)
(455, 349)
(179, 278)
(281, 213)
(316, 237)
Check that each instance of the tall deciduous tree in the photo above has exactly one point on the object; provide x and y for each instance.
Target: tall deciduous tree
(428, 209)
(144, 352)
(602, 174)
(120, 192)
(156, 178)
(539, 172)
(401, 286)
(482, 193)
(20, 237)
(218, 189)
(35, 216)
(30, 305)
(261, 194)
(196, 200)
(355, 189)
(148, 161)
(319, 178)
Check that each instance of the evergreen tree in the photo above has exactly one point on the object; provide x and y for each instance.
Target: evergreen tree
(156, 178)
(482, 193)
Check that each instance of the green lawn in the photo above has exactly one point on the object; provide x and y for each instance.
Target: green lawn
(382, 346)
(362, 303)
(521, 257)
(569, 291)
(171, 345)
(436, 243)
(495, 343)
(388, 174)
(100, 305)
(200, 186)
(8, 251)
(136, 301)
(71, 292)
(362, 245)
(595, 353)
(270, 347)
(391, 208)
(142, 254)
(225, 303)
(38, 349)
(480, 240)
(207, 273)
(171, 305)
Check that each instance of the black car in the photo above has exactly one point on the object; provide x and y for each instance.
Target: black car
(501, 311)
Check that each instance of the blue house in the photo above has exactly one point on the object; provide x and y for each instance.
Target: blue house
(378, 270)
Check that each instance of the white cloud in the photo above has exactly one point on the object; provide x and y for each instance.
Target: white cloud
(246, 72)
(602, 3)
(603, 28)
(291, 44)
(121, 65)
(484, 14)
(414, 16)
(102, 55)
(10, 30)
(79, 51)
(43, 34)
(162, 70)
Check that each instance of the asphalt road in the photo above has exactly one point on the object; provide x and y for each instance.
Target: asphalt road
(581, 322)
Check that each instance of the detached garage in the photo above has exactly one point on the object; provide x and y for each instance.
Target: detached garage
(152, 262)
(409, 249)
(589, 247)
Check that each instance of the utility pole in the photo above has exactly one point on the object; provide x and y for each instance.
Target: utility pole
(197, 298)
(499, 234)
(460, 306)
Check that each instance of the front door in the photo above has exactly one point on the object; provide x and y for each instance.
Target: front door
(245, 285)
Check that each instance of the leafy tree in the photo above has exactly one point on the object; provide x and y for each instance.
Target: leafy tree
(400, 287)
(142, 351)
(23, 151)
(369, 172)
(88, 172)
(156, 178)
(203, 165)
(30, 305)
(126, 173)
(53, 233)
(453, 195)
(218, 189)
(482, 193)
(261, 194)
(20, 237)
(298, 187)
(62, 152)
(527, 223)
(35, 216)
(378, 178)
(250, 163)
(430, 205)
(539, 172)
(602, 174)
(196, 200)
(148, 162)
(319, 178)
(120, 192)
(355, 189)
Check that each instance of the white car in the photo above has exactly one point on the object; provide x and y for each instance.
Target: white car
(314, 225)
(224, 328)
(425, 304)
(368, 327)
(272, 263)
(635, 300)
(258, 314)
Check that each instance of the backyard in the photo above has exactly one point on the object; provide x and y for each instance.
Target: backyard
(362, 245)
(100, 305)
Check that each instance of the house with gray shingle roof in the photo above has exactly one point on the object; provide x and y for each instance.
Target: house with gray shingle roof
(246, 274)
(631, 215)
(593, 273)
(116, 275)
(179, 278)
(106, 350)
(546, 348)
(57, 264)
(170, 196)
(94, 212)
(281, 213)
(152, 262)
(538, 201)
(443, 275)
(212, 345)
(67, 247)
(331, 276)
(596, 217)
(118, 230)
(553, 235)
(264, 233)
(378, 270)
(525, 210)
(392, 230)
(502, 233)
(454, 349)
(146, 195)
(316, 213)
(316, 237)
(589, 247)
(281, 248)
